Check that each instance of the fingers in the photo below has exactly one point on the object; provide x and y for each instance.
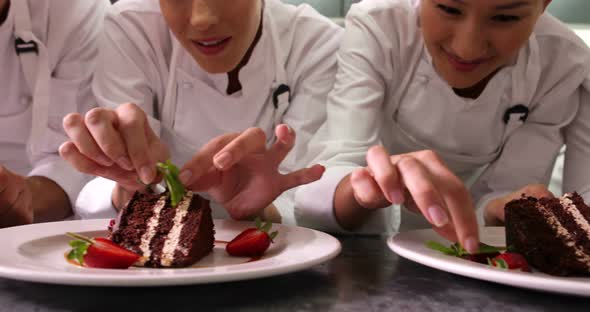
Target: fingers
(448, 204)
(534, 190)
(75, 127)
(202, 162)
(420, 185)
(366, 191)
(70, 153)
(250, 141)
(284, 144)
(385, 174)
(134, 130)
(301, 177)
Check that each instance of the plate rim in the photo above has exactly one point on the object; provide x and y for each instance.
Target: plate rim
(579, 286)
(47, 276)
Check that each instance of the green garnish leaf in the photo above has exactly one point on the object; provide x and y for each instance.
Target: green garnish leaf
(273, 235)
(458, 251)
(501, 263)
(258, 223)
(267, 226)
(485, 249)
(176, 189)
(440, 247)
(79, 246)
(78, 251)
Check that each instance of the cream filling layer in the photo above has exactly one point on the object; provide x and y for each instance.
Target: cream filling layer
(150, 232)
(573, 211)
(563, 233)
(173, 238)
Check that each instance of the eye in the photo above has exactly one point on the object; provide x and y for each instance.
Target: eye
(448, 10)
(506, 18)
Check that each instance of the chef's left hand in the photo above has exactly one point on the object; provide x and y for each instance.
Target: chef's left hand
(16, 206)
(494, 211)
(240, 173)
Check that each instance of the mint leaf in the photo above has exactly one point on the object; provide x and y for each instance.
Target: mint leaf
(78, 251)
(175, 188)
(458, 251)
(440, 247)
(273, 235)
(485, 249)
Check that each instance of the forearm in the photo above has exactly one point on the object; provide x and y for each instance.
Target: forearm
(349, 213)
(49, 201)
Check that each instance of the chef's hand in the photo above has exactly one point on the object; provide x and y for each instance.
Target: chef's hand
(15, 199)
(494, 210)
(115, 144)
(421, 181)
(240, 173)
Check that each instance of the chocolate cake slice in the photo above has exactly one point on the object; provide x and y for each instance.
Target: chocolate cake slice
(553, 234)
(163, 235)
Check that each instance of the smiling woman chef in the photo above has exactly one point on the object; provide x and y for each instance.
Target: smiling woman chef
(200, 69)
(47, 60)
(492, 88)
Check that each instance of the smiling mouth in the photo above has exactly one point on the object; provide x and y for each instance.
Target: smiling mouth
(211, 43)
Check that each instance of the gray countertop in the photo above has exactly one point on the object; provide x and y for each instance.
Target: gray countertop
(366, 276)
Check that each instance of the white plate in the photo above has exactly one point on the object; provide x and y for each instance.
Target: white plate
(411, 245)
(35, 253)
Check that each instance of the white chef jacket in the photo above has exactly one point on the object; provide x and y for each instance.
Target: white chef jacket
(141, 62)
(39, 89)
(388, 92)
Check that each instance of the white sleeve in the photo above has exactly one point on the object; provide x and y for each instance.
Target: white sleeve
(129, 70)
(312, 68)
(73, 46)
(353, 124)
(577, 154)
(528, 155)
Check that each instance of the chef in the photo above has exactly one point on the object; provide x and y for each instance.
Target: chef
(490, 90)
(207, 74)
(47, 58)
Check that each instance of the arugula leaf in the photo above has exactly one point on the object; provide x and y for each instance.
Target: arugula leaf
(440, 247)
(176, 189)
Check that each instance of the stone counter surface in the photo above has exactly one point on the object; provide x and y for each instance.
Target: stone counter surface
(366, 276)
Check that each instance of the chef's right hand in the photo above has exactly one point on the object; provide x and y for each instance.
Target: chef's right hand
(117, 144)
(420, 181)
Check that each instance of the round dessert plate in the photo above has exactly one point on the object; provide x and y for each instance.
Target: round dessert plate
(412, 245)
(36, 253)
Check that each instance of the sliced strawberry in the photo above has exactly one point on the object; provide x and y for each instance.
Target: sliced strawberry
(108, 255)
(510, 261)
(100, 253)
(252, 242)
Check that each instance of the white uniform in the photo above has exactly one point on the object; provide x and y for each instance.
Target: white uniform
(48, 79)
(141, 62)
(388, 92)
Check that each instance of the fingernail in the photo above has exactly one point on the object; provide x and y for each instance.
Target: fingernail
(438, 216)
(104, 161)
(145, 174)
(289, 129)
(185, 176)
(223, 161)
(125, 163)
(471, 245)
(397, 197)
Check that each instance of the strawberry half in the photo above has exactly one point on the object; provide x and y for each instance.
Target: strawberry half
(252, 242)
(510, 261)
(100, 253)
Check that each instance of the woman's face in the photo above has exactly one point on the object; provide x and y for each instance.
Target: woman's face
(217, 33)
(469, 40)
